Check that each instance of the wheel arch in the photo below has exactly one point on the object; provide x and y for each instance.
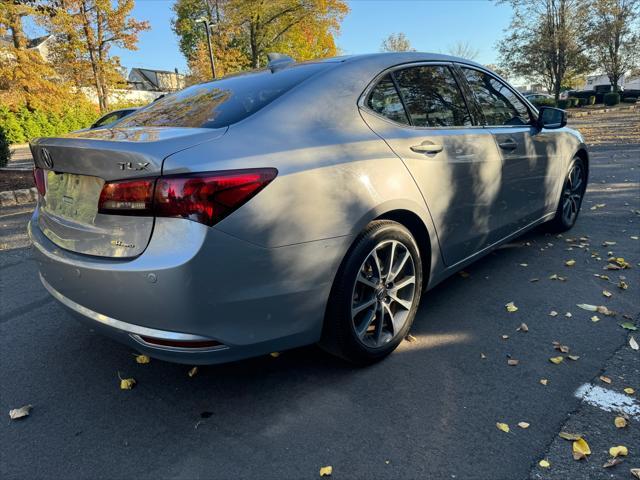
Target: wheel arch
(582, 153)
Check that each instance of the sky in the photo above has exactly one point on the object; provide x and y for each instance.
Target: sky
(430, 26)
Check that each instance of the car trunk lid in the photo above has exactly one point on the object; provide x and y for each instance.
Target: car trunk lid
(76, 168)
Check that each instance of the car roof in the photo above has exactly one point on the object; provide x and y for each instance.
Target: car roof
(393, 58)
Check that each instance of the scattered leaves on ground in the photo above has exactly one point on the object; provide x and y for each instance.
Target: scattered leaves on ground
(635, 472)
(142, 359)
(523, 425)
(570, 436)
(275, 354)
(633, 344)
(622, 285)
(326, 471)
(573, 357)
(511, 307)
(605, 379)
(557, 360)
(21, 412)
(629, 391)
(629, 326)
(410, 338)
(544, 381)
(127, 383)
(513, 362)
(193, 371)
(544, 463)
(483, 356)
(580, 449)
(553, 313)
(570, 263)
(503, 427)
(619, 451)
(522, 328)
(595, 318)
(612, 462)
(620, 422)
(607, 293)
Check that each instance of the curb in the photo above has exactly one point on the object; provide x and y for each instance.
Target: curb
(24, 196)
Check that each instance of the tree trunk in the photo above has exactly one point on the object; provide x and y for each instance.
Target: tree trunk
(17, 34)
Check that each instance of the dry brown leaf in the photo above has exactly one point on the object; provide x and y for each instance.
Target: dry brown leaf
(580, 449)
(605, 379)
(595, 318)
(635, 472)
(522, 328)
(620, 422)
(275, 354)
(127, 383)
(21, 412)
(523, 425)
(633, 344)
(570, 436)
(464, 274)
(622, 285)
(607, 293)
(605, 311)
(612, 462)
(410, 338)
(193, 371)
(513, 362)
(544, 381)
(502, 426)
(573, 357)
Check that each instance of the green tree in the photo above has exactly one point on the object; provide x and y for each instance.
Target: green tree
(396, 42)
(542, 42)
(244, 31)
(613, 36)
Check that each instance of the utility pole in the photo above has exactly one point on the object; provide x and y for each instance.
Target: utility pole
(207, 27)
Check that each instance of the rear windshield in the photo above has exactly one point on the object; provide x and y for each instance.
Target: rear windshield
(222, 102)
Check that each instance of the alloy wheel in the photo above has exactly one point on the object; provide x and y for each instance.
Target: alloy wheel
(572, 194)
(383, 293)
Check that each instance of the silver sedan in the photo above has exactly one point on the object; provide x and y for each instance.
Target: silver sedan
(303, 203)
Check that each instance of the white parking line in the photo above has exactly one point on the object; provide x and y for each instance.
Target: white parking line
(608, 400)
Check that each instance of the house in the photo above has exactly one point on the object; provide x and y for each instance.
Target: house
(628, 81)
(155, 80)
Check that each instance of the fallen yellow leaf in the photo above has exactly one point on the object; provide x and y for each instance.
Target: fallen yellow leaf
(544, 381)
(570, 436)
(623, 285)
(511, 307)
(544, 463)
(595, 318)
(629, 391)
(523, 425)
(326, 471)
(619, 451)
(410, 338)
(620, 422)
(570, 263)
(275, 354)
(21, 412)
(556, 360)
(127, 383)
(580, 449)
(503, 426)
(193, 372)
(142, 359)
(607, 293)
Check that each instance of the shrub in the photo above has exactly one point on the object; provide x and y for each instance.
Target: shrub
(573, 101)
(591, 100)
(5, 152)
(544, 102)
(630, 100)
(611, 98)
(563, 104)
(582, 102)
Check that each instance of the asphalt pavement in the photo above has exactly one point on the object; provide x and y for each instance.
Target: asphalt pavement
(428, 411)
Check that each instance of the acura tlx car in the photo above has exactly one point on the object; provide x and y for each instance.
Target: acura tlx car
(302, 203)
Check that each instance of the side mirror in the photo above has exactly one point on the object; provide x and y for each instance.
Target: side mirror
(549, 117)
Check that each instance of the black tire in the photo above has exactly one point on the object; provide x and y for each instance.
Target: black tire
(339, 335)
(562, 222)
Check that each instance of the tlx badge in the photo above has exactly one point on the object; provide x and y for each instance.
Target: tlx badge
(133, 166)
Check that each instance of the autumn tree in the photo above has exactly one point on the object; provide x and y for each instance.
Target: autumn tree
(396, 42)
(244, 31)
(90, 28)
(542, 42)
(464, 50)
(612, 35)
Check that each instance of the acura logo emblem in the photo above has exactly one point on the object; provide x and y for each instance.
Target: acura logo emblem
(46, 158)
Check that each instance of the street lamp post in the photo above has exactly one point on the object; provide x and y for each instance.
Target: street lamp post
(207, 27)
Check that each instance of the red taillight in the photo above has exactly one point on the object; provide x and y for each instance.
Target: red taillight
(38, 178)
(206, 198)
(130, 197)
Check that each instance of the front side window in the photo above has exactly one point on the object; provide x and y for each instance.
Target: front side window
(498, 103)
(432, 97)
(384, 99)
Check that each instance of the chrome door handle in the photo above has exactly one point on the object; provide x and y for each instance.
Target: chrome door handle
(427, 148)
(508, 145)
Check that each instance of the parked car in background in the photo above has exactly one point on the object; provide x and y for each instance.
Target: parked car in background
(302, 203)
(533, 97)
(112, 117)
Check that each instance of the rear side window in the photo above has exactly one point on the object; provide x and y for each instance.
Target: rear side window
(432, 97)
(384, 99)
(498, 103)
(222, 102)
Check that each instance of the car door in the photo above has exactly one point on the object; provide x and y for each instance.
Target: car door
(421, 113)
(528, 172)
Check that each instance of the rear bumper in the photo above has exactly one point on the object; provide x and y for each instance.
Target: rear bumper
(196, 283)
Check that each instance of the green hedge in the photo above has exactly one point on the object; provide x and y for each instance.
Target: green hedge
(25, 125)
(630, 100)
(591, 100)
(582, 102)
(544, 102)
(5, 152)
(611, 98)
(573, 101)
(563, 104)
